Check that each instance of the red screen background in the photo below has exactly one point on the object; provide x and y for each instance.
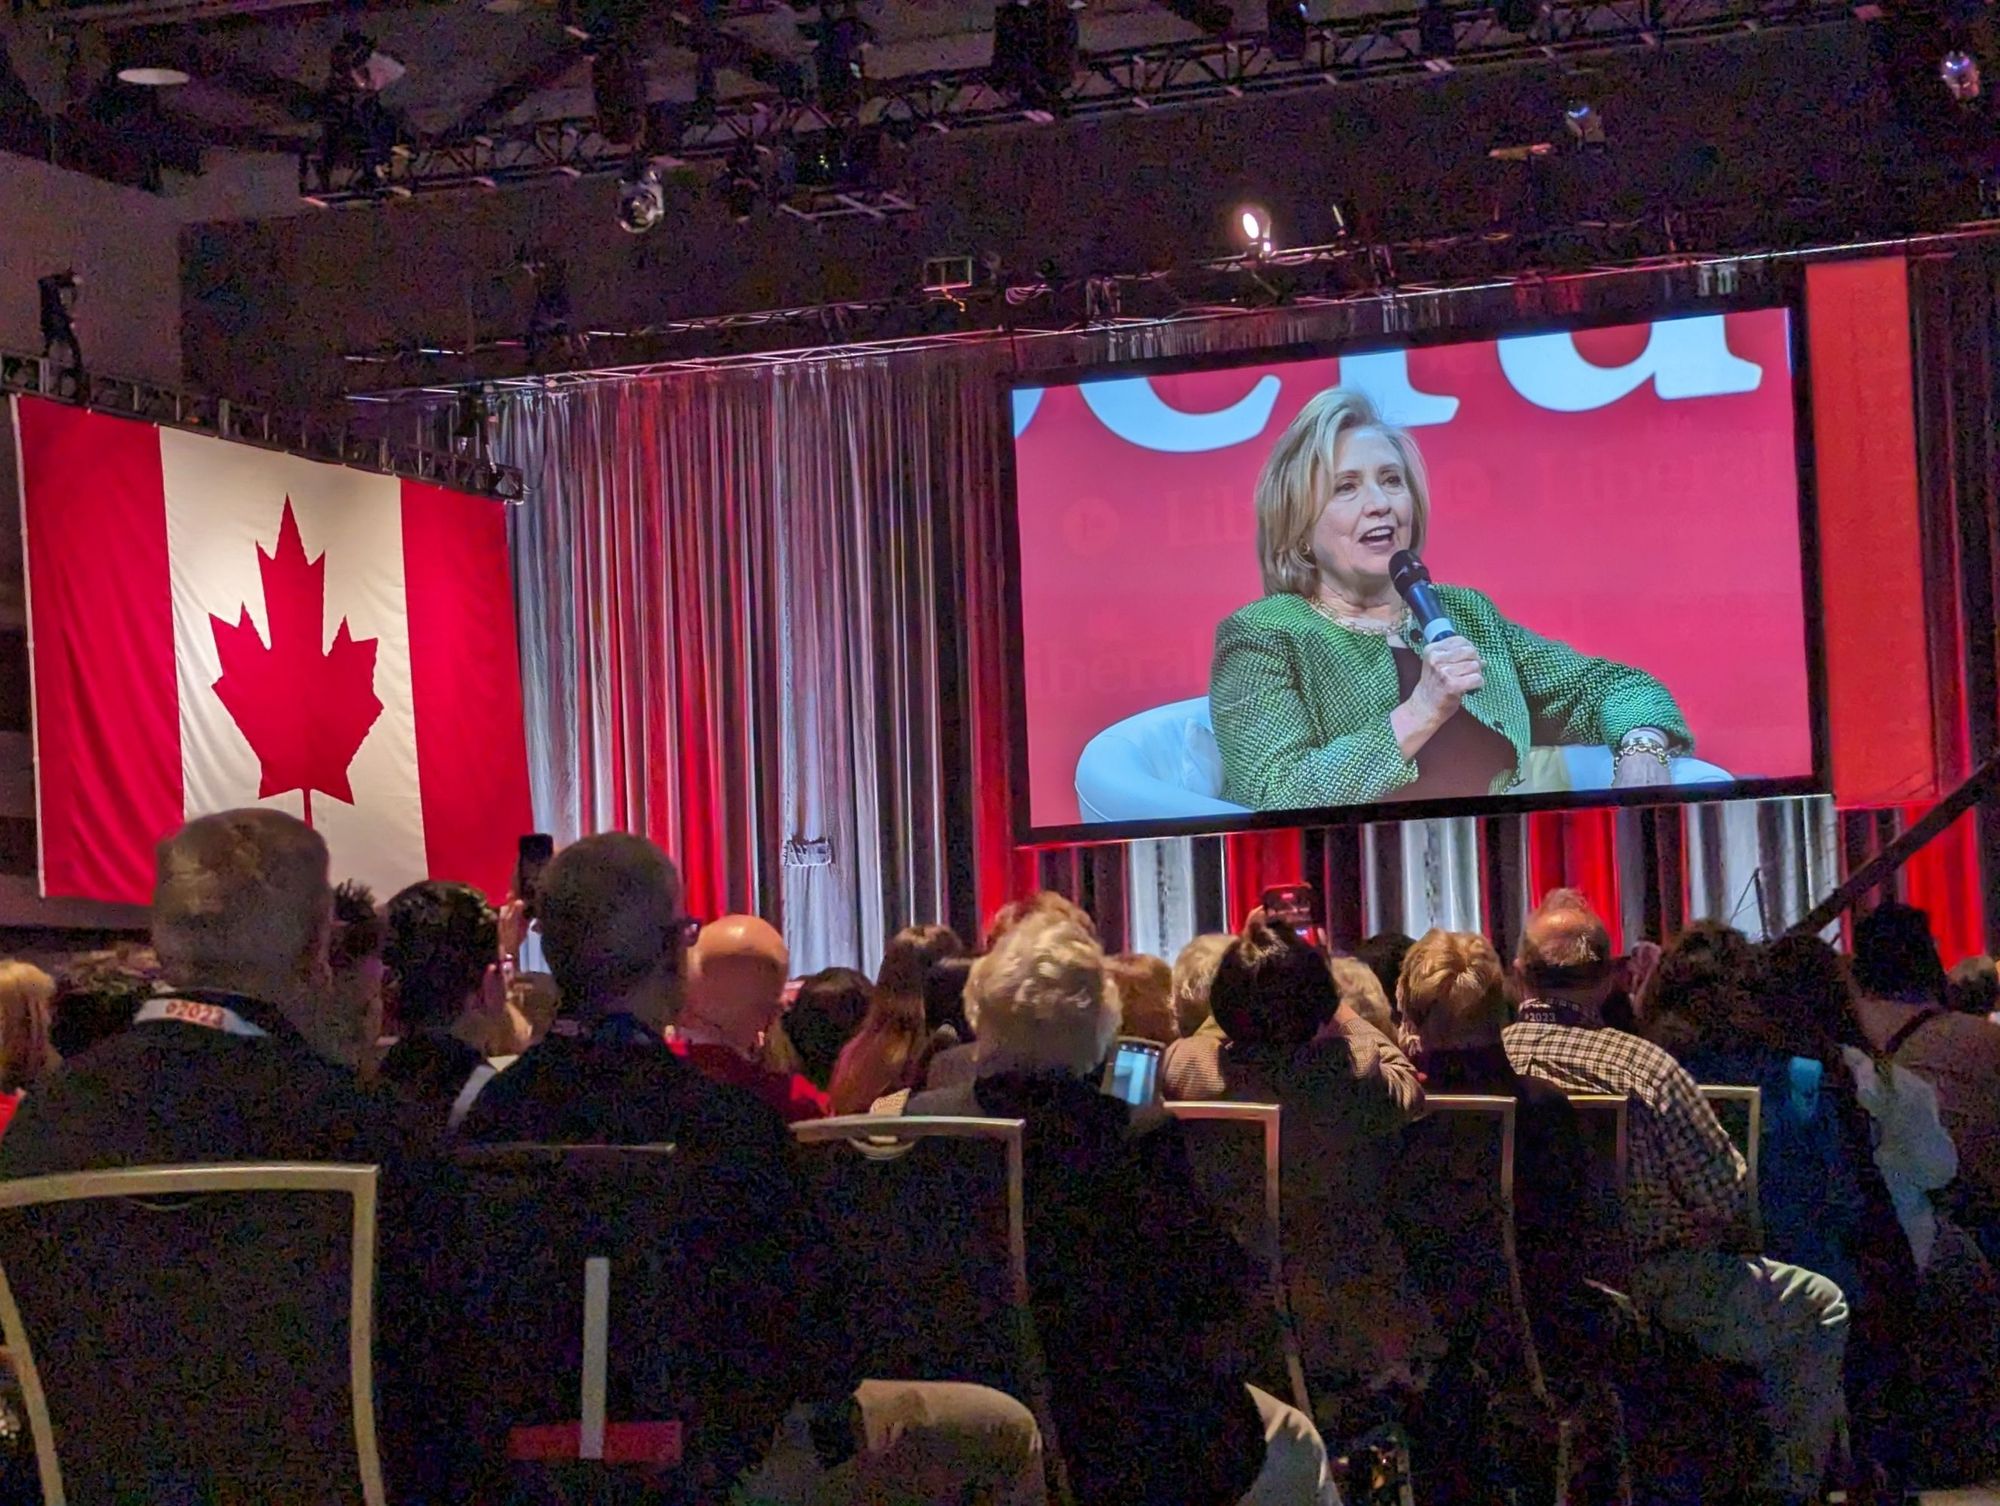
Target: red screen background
(1662, 533)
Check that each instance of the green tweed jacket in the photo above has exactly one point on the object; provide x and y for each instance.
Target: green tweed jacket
(1301, 706)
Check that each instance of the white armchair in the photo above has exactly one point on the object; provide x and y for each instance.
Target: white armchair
(1164, 765)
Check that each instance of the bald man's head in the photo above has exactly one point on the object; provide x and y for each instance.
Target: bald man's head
(1565, 949)
(740, 964)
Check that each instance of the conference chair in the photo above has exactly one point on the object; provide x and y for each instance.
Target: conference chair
(598, 1281)
(188, 1333)
(1234, 1151)
(939, 1202)
(1604, 1121)
(1454, 1214)
(1741, 1112)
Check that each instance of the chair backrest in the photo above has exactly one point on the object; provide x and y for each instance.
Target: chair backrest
(598, 1280)
(196, 1332)
(928, 1217)
(1740, 1109)
(927, 1214)
(1454, 1213)
(1233, 1148)
(1604, 1121)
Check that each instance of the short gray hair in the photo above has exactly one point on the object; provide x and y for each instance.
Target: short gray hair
(1043, 998)
(1194, 977)
(240, 892)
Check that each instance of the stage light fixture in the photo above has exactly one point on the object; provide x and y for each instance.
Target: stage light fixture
(1584, 122)
(1286, 28)
(843, 37)
(1959, 73)
(1034, 51)
(1437, 37)
(642, 202)
(1519, 16)
(742, 182)
(1252, 224)
(152, 78)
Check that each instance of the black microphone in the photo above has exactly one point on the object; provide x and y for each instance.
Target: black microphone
(1413, 583)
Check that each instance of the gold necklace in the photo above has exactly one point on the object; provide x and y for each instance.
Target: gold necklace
(1372, 627)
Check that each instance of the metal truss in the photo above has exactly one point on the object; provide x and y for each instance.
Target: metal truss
(1409, 282)
(314, 439)
(1144, 78)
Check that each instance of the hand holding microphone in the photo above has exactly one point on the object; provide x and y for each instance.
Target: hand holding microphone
(1452, 669)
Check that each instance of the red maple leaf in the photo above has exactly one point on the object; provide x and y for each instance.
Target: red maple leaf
(305, 710)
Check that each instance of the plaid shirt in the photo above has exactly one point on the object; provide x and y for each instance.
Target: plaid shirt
(1685, 1187)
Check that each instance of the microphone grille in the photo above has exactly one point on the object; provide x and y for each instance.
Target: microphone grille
(1405, 568)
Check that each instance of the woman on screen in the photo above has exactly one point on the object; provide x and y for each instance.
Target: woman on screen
(1319, 693)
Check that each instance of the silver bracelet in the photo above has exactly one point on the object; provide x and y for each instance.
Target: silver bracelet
(1645, 745)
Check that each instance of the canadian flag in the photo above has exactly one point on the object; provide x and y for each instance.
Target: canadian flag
(213, 625)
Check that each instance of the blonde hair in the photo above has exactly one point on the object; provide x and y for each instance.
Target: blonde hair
(241, 894)
(1291, 491)
(1044, 998)
(1453, 991)
(1146, 997)
(1361, 991)
(26, 992)
(1194, 977)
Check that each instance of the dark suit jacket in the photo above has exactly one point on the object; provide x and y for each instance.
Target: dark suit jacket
(772, 1297)
(165, 1093)
(1130, 1270)
(953, 1067)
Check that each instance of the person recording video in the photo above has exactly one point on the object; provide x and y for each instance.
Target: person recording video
(1355, 679)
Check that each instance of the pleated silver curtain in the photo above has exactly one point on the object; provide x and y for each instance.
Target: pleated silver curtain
(731, 585)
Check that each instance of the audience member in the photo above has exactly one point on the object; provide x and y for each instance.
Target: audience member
(891, 1051)
(442, 956)
(1453, 994)
(1382, 954)
(97, 993)
(1145, 988)
(614, 934)
(1356, 985)
(1952, 1302)
(1045, 902)
(829, 1009)
(1345, 1091)
(734, 997)
(26, 993)
(1973, 987)
(1823, 1203)
(1686, 1207)
(246, 1056)
(1194, 976)
(1899, 1005)
(1148, 1409)
(354, 980)
(944, 1002)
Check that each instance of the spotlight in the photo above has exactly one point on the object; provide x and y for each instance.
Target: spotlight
(359, 65)
(1583, 122)
(1253, 228)
(58, 294)
(1286, 28)
(1518, 16)
(1959, 72)
(642, 202)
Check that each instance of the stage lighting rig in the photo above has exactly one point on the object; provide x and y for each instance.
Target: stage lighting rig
(1286, 28)
(1959, 73)
(1035, 52)
(1252, 226)
(840, 37)
(642, 201)
(1585, 124)
(742, 182)
(57, 293)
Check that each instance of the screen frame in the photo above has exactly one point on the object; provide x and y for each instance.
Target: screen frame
(1472, 331)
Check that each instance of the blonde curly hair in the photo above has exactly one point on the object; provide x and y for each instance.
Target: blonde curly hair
(1043, 998)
